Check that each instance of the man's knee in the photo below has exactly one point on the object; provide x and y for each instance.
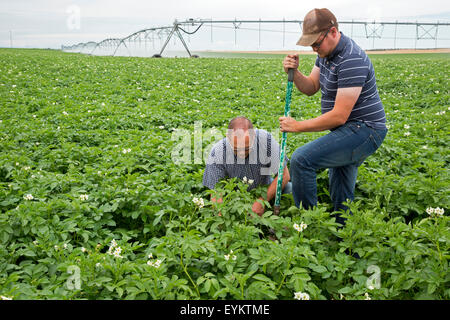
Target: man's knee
(287, 188)
(300, 160)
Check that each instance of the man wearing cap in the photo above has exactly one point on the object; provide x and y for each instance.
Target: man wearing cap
(351, 110)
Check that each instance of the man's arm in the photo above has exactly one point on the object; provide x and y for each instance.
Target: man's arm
(345, 100)
(213, 173)
(309, 85)
(217, 200)
(271, 191)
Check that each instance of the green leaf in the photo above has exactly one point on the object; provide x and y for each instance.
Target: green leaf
(317, 268)
(207, 285)
(158, 215)
(261, 277)
(345, 290)
(135, 214)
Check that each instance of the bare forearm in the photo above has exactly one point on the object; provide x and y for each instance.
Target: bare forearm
(272, 189)
(323, 122)
(343, 106)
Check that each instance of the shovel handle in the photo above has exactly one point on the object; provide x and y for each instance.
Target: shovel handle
(276, 210)
(291, 74)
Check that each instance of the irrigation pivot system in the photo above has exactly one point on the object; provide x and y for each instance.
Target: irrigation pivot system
(369, 30)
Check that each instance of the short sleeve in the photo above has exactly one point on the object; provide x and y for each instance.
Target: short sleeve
(317, 64)
(353, 72)
(214, 171)
(213, 174)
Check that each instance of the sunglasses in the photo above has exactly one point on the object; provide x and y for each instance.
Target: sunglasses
(317, 45)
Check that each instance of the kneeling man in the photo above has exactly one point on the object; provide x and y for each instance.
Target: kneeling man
(249, 154)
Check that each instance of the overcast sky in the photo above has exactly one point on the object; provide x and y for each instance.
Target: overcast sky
(51, 23)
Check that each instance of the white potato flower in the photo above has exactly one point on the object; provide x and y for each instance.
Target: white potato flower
(303, 226)
(435, 211)
(230, 255)
(300, 227)
(117, 252)
(199, 202)
(156, 264)
(116, 248)
(28, 197)
(301, 296)
(113, 243)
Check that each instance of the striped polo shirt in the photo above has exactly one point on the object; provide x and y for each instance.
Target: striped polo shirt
(349, 66)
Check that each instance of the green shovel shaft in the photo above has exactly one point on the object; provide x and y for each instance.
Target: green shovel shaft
(287, 112)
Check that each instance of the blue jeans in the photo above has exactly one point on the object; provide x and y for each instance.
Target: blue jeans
(342, 150)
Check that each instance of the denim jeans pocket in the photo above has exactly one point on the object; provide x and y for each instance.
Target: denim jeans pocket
(346, 130)
(355, 127)
(379, 136)
(364, 150)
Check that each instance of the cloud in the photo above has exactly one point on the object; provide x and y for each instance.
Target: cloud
(118, 18)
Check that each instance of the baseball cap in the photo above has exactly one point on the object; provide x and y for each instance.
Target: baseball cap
(316, 21)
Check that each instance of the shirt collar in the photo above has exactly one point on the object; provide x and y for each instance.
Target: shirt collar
(340, 46)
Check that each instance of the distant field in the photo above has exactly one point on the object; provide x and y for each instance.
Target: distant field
(279, 54)
(89, 182)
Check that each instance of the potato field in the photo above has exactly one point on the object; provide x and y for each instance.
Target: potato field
(99, 201)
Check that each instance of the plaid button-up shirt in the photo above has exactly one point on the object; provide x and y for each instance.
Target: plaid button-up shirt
(261, 164)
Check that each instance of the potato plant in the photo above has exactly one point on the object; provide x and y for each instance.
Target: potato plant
(93, 205)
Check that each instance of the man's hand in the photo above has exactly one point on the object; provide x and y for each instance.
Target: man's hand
(288, 124)
(291, 61)
(217, 200)
(258, 208)
(220, 200)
